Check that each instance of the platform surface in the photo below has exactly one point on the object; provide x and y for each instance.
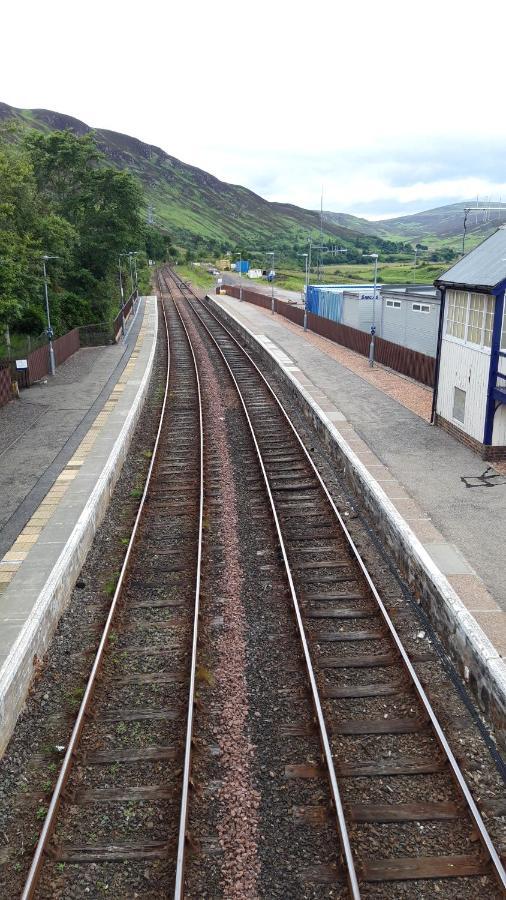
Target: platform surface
(40, 431)
(65, 472)
(451, 499)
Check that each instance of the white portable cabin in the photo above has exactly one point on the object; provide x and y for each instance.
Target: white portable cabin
(410, 318)
(470, 390)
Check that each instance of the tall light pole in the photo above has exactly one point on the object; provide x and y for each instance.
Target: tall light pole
(121, 296)
(49, 330)
(306, 256)
(417, 251)
(373, 256)
(134, 254)
(240, 274)
(271, 253)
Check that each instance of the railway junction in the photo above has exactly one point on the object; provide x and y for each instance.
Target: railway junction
(252, 646)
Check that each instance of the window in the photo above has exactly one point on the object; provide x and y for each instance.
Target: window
(459, 404)
(503, 333)
(470, 317)
(421, 307)
(393, 304)
(457, 314)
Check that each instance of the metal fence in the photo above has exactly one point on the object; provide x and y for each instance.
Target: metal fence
(408, 362)
(123, 315)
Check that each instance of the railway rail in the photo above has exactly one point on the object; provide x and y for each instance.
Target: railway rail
(336, 603)
(143, 677)
(123, 759)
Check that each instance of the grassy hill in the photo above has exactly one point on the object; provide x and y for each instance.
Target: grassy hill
(444, 225)
(188, 202)
(195, 207)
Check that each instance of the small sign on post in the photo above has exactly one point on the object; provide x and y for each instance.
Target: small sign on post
(21, 364)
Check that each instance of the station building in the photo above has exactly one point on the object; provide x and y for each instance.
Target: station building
(470, 382)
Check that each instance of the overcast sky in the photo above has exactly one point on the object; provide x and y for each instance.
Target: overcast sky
(392, 106)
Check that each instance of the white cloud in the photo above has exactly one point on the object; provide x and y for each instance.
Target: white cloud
(275, 98)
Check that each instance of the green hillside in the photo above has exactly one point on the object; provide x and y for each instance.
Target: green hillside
(190, 203)
(198, 210)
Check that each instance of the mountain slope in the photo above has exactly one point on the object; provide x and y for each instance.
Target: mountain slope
(190, 203)
(445, 224)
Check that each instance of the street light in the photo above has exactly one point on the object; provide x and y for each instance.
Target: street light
(306, 255)
(271, 253)
(373, 256)
(240, 274)
(49, 330)
(417, 251)
(121, 295)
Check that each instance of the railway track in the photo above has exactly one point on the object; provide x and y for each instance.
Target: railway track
(357, 667)
(122, 792)
(122, 795)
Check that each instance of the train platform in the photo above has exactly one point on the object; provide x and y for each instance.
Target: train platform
(450, 499)
(63, 446)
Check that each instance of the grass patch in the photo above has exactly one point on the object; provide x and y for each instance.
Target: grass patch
(111, 584)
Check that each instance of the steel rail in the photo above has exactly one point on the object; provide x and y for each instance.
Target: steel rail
(51, 816)
(325, 742)
(458, 776)
(181, 848)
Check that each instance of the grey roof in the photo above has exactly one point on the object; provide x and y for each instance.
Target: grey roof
(483, 267)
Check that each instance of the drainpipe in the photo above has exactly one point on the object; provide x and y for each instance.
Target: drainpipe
(438, 356)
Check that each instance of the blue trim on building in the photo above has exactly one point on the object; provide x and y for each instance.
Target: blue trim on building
(494, 394)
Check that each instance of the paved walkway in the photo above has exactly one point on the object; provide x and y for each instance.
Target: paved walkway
(436, 483)
(40, 431)
(40, 567)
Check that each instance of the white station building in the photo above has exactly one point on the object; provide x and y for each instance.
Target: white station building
(470, 384)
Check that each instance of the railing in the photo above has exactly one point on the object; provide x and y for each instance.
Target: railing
(36, 351)
(123, 315)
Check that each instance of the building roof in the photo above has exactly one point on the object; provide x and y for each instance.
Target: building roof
(481, 268)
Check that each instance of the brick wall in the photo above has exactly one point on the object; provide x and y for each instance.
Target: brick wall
(485, 451)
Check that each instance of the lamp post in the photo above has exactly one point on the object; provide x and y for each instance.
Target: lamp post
(271, 253)
(134, 255)
(49, 330)
(306, 256)
(121, 295)
(240, 274)
(373, 256)
(417, 251)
